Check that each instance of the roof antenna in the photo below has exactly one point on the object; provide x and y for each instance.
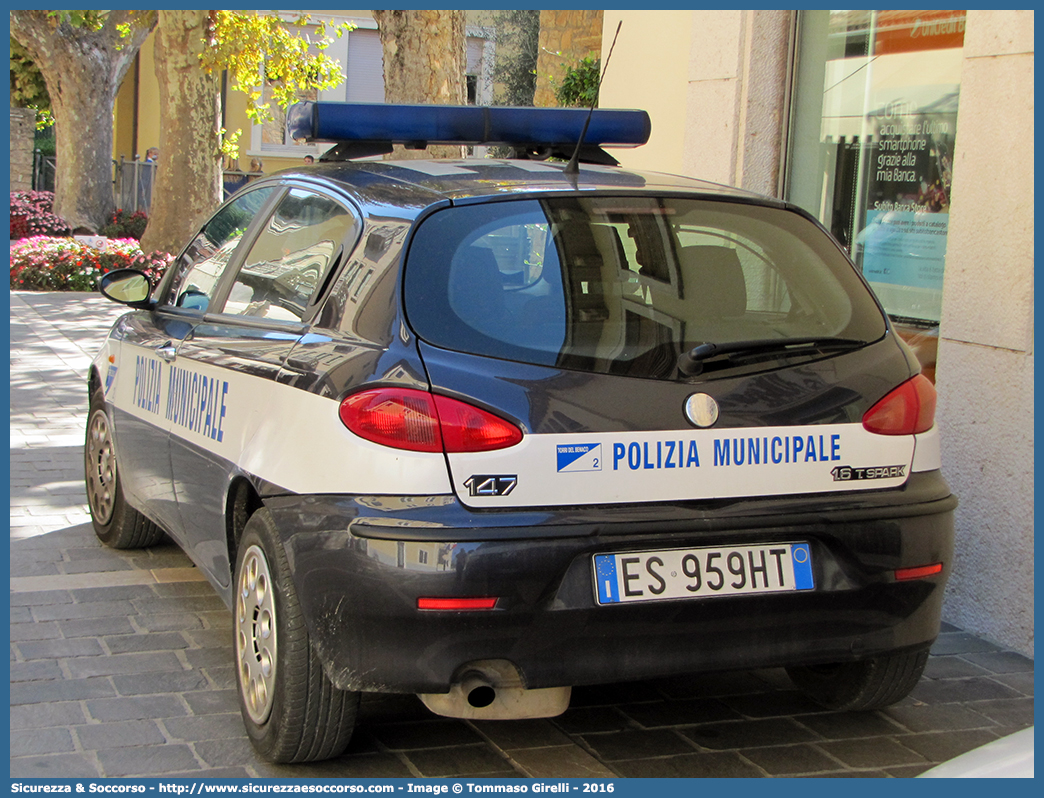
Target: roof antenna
(573, 167)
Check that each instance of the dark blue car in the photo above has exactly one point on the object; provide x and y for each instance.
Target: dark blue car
(484, 429)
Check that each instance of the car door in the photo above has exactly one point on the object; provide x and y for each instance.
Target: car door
(143, 352)
(134, 386)
(233, 356)
(149, 349)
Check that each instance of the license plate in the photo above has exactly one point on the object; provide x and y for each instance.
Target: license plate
(702, 573)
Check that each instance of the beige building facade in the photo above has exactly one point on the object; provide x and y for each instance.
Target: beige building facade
(904, 111)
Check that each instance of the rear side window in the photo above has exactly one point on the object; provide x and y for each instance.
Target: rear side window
(284, 269)
(624, 285)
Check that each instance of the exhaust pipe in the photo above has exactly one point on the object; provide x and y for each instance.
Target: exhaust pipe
(478, 692)
(493, 690)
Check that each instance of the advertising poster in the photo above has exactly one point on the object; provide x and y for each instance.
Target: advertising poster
(907, 217)
(912, 120)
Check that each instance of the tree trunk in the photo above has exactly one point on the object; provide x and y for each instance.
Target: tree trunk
(424, 62)
(83, 69)
(188, 179)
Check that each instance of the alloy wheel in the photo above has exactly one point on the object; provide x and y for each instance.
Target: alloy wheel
(256, 634)
(101, 468)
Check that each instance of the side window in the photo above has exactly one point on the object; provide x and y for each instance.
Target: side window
(198, 270)
(287, 264)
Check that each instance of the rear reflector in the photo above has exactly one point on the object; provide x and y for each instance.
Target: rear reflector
(407, 418)
(921, 571)
(456, 603)
(908, 410)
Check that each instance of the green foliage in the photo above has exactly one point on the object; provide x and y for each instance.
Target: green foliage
(91, 19)
(514, 74)
(579, 85)
(44, 141)
(64, 264)
(250, 45)
(28, 89)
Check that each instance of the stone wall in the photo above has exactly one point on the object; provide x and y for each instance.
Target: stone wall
(23, 129)
(565, 38)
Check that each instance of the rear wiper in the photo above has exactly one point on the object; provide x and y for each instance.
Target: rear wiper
(691, 362)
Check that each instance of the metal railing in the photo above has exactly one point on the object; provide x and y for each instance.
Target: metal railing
(43, 171)
(132, 181)
(133, 184)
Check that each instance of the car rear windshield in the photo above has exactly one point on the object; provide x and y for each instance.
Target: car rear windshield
(625, 285)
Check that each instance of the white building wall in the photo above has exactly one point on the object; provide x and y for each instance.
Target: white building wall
(985, 369)
(714, 84)
(649, 70)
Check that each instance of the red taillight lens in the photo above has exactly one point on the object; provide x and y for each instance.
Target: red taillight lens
(399, 417)
(907, 410)
(405, 418)
(466, 428)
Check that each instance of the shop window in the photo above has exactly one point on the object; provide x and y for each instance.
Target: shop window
(872, 142)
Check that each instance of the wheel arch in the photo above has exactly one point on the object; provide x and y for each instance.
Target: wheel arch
(243, 501)
(93, 380)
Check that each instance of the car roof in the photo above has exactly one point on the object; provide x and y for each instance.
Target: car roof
(418, 184)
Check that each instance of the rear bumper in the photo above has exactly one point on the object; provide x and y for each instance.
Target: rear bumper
(361, 563)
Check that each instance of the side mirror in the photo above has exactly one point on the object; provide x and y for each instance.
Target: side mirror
(126, 286)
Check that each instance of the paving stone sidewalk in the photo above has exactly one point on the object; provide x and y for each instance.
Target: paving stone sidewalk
(121, 661)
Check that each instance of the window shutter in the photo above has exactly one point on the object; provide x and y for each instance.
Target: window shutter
(365, 68)
(474, 65)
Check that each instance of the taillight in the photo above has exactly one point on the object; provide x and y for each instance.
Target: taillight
(398, 417)
(466, 428)
(907, 410)
(406, 418)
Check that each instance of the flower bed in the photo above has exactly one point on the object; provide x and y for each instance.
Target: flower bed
(126, 225)
(32, 214)
(44, 263)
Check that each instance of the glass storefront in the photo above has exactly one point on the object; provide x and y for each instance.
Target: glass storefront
(872, 142)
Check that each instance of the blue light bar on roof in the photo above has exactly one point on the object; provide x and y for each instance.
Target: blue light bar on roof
(464, 124)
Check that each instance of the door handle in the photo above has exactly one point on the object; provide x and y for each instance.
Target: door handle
(167, 353)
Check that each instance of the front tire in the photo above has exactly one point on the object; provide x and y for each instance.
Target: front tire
(291, 710)
(115, 522)
(868, 684)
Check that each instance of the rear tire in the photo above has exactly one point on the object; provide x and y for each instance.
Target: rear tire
(868, 684)
(291, 710)
(115, 522)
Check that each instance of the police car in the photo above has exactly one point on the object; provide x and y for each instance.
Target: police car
(485, 429)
